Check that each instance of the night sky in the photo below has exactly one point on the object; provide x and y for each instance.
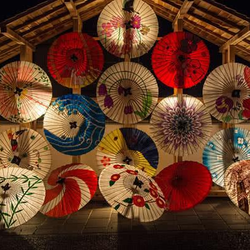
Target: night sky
(90, 28)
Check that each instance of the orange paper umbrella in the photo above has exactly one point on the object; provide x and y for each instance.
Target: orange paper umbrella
(184, 184)
(25, 92)
(75, 59)
(180, 60)
(237, 184)
(68, 189)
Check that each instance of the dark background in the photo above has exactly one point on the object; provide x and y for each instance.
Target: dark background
(89, 26)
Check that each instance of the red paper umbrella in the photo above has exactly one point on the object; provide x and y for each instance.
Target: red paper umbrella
(184, 184)
(75, 59)
(180, 60)
(68, 189)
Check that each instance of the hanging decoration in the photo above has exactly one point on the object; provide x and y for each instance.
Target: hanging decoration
(237, 184)
(130, 146)
(180, 60)
(131, 192)
(226, 93)
(127, 92)
(74, 124)
(68, 189)
(127, 27)
(75, 60)
(25, 91)
(184, 184)
(25, 149)
(21, 196)
(180, 126)
(225, 148)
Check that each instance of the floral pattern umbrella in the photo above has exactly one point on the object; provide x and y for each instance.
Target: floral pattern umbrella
(75, 60)
(127, 92)
(237, 184)
(225, 148)
(127, 27)
(128, 145)
(131, 192)
(184, 184)
(180, 125)
(21, 196)
(180, 60)
(25, 92)
(74, 124)
(68, 189)
(229, 101)
(25, 148)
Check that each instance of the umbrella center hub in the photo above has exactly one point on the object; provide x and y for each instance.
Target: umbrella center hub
(73, 124)
(6, 187)
(236, 93)
(60, 180)
(127, 160)
(18, 91)
(127, 91)
(182, 125)
(16, 160)
(181, 58)
(235, 159)
(137, 182)
(177, 181)
(74, 58)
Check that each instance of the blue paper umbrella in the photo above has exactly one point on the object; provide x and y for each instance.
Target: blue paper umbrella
(128, 145)
(74, 124)
(225, 148)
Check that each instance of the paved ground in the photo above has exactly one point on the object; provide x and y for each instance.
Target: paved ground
(214, 224)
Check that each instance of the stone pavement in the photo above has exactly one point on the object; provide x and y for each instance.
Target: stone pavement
(215, 221)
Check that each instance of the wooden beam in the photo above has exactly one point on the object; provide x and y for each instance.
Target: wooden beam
(26, 53)
(12, 35)
(241, 35)
(182, 12)
(77, 22)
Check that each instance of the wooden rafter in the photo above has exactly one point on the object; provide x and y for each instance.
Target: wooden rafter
(241, 35)
(77, 22)
(182, 12)
(6, 31)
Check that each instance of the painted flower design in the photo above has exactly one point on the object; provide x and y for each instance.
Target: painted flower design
(136, 22)
(160, 202)
(151, 184)
(224, 104)
(144, 30)
(105, 161)
(108, 101)
(107, 29)
(102, 90)
(138, 201)
(132, 172)
(115, 177)
(114, 48)
(153, 193)
(118, 166)
(117, 22)
(128, 110)
(192, 69)
(240, 141)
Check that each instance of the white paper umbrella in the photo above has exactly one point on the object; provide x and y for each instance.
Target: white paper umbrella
(127, 27)
(132, 192)
(180, 126)
(128, 145)
(25, 92)
(223, 149)
(237, 184)
(21, 196)
(127, 92)
(68, 189)
(25, 148)
(226, 93)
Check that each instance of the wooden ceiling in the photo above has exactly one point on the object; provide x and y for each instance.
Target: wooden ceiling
(208, 19)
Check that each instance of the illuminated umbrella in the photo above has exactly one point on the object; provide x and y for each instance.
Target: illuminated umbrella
(223, 149)
(180, 60)
(128, 145)
(127, 92)
(237, 184)
(74, 124)
(21, 196)
(75, 59)
(131, 192)
(25, 148)
(184, 184)
(180, 126)
(25, 91)
(226, 93)
(130, 28)
(68, 189)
